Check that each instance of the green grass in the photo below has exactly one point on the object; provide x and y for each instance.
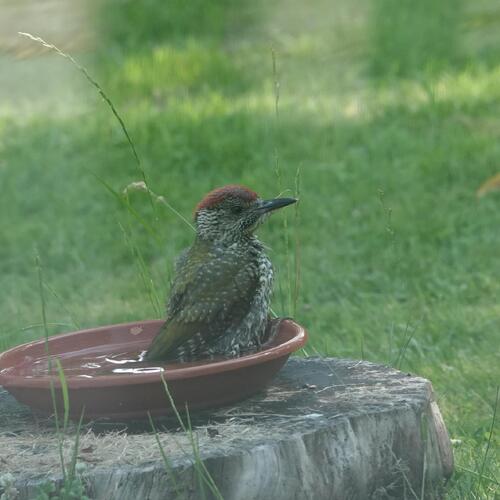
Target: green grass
(393, 121)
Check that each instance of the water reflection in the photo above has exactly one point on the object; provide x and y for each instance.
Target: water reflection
(90, 365)
(146, 369)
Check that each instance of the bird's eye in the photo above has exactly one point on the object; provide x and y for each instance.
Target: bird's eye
(237, 209)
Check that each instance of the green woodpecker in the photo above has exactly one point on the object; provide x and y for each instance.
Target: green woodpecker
(219, 300)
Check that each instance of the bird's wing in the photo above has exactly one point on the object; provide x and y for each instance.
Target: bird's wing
(212, 290)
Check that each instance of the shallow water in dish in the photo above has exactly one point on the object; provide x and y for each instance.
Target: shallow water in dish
(101, 353)
(88, 363)
(88, 366)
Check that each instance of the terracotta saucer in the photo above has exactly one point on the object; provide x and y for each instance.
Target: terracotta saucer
(106, 379)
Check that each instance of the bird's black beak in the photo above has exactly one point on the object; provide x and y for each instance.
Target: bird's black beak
(270, 205)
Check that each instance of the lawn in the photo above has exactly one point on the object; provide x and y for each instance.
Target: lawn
(383, 115)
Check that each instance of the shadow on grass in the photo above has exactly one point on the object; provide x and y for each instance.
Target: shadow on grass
(414, 37)
(155, 52)
(154, 49)
(168, 71)
(162, 50)
(132, 25)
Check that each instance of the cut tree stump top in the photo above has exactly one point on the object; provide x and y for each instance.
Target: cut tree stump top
(325, 429)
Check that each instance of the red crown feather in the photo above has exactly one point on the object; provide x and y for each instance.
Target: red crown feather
(218, 195)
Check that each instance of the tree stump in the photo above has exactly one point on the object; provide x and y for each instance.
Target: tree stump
(325, 429)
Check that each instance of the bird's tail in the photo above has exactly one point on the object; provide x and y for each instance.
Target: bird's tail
(158, 349)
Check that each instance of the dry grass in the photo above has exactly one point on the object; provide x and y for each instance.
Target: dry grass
(38, 449)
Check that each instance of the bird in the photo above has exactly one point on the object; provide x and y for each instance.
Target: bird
(222, 285)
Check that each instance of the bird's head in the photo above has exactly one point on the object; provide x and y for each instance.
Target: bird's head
(233, 212)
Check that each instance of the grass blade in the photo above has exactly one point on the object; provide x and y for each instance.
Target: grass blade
(76, 322)
(201, 470)
(297, 255)
(124, 202)
(144, 273)
(103, 95)
(60, 437)
(76, 446)
(64, 390)
(166, 461)
(490, 435)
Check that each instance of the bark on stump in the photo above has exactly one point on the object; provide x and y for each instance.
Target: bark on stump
(325, 429)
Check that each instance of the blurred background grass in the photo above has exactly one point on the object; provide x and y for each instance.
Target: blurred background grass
(390, 110)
